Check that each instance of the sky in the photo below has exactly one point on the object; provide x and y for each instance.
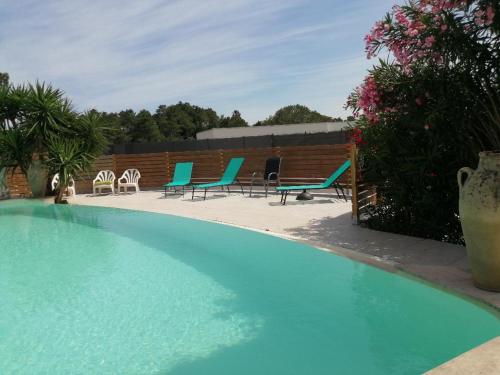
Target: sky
(255, 56)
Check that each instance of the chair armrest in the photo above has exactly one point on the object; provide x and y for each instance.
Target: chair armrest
(273, 174)
(256, 176)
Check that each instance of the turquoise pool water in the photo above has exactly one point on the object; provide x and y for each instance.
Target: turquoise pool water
(88, 290)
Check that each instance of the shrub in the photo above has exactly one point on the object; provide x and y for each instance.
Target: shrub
(39, 120)
(427, 110)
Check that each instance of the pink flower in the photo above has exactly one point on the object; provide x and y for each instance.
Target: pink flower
(412, 32)
(429, 41)
(490, 14)
(444, 28)
(369, 99)
(401, 17)
(479, 17)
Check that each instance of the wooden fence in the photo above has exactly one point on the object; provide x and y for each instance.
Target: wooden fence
(300, 164)
(362, 194)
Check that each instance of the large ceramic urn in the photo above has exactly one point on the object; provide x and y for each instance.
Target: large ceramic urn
(480, 218)
(4, 189)
(37, 179)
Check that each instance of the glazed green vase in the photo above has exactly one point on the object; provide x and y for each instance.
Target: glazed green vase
(479, 208)
(4, 189)
(37, 179)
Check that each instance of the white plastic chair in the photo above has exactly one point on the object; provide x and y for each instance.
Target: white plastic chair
(104, 180)
(71, 189)
(129, 178)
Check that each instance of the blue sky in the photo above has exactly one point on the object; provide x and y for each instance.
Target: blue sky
(252, 55)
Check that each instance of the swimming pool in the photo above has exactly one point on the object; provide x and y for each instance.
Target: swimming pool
(106, 291)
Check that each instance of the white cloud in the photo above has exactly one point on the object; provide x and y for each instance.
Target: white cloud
(238, 54)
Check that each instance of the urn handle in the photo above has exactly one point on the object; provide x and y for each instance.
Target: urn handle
(460, 176)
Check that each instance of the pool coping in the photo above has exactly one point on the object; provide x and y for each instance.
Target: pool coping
(483, 359)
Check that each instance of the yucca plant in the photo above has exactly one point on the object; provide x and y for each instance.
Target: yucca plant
(36, 122)
(12, 105)
(16, 150)
(48, 114)
(69, 158)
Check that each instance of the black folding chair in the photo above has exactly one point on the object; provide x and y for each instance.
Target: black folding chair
(271, 174)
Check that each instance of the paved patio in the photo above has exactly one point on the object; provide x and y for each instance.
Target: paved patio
(324, 222)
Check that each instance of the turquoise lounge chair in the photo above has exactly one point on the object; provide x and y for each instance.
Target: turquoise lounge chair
(228, 178)
(182, 177)
(330, 182)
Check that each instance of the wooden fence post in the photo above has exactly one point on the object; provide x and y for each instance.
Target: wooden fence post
(354, 183)
(113, 163)
(221, 162)
(167, 166)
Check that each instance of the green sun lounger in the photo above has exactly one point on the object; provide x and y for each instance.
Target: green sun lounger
(182, 177)
(330, 182)
(228, 178)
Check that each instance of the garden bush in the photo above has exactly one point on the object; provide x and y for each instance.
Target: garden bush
(39, 127)
(426, 110)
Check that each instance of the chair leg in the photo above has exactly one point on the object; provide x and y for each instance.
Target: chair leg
(241, 186)
(336, 190)
(182, 190)
(228, 191)
(205, 195)
(192, 196)
(286, 195)
(343, 193)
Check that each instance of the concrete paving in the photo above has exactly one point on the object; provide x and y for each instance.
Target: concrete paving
(324, 222)
(483, 360)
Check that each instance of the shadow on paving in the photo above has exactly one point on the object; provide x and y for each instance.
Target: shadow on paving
(339, 231)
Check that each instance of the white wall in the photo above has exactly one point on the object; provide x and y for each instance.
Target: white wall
(253, 131)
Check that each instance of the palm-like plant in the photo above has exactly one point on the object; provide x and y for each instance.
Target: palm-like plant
(16, 150)
(68, 158)
(12, 105)
(40, 128)
(48, 114)
(88, 126)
